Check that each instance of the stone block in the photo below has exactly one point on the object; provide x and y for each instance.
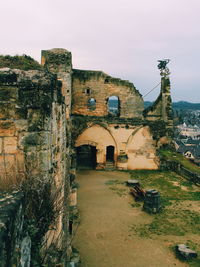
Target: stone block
(7, 163)
(21, 125)
(7, 128)
(20, 162)
(10, 145)
(7, 111)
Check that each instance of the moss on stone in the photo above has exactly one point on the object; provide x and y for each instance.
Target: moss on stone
(31, 140)
(6, 124)
(153, 107)
(86, 75)
(8, 78)
(122, 158)
(158, 128)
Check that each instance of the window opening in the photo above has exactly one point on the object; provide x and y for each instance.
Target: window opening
(92, 104)
(113, 106)
(88, 91)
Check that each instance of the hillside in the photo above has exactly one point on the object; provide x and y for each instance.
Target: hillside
(184, 105)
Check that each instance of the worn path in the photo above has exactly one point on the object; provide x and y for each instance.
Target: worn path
(103, 237)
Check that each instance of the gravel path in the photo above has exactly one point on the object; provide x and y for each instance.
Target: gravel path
(103, 237)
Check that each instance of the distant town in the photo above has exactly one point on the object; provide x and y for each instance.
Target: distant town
(187, 129)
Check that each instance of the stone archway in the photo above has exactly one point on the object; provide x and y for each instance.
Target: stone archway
(100, 138)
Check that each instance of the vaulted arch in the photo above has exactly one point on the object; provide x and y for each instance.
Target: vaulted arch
(141, 150)
(100, 138)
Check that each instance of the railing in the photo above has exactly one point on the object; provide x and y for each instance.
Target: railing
(181, 170)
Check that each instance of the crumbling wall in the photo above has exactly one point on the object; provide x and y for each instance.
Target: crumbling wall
(15, 248)
(59, 61)
(162, 107)
(33, 136)
(99, 86)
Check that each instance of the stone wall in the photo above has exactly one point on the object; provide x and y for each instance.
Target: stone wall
(45, 115)
(33, 136)
(99, 86)
(162, 107)
(59, 61)
(15, 248)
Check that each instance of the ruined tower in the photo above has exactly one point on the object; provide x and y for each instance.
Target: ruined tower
(162, 108)
(59, 61)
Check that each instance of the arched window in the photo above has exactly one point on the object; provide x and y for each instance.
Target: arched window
(113, 106)
(92, 104)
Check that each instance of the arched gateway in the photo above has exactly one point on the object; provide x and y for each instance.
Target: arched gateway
(94, 147)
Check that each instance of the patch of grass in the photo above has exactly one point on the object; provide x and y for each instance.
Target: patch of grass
(165, 201)
(113, 182)
(195, 196)
(175, 218)
(136, 204)
(171, 221)
(187, 184)
(119, 191)
(194, 263)
(168, 184)
(160, 225)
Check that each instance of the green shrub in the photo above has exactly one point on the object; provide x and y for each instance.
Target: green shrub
(23, 62)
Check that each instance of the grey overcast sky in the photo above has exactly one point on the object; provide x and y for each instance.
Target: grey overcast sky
(123, 38)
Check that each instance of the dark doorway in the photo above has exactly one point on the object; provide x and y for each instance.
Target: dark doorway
(86, 157)
(110, 153)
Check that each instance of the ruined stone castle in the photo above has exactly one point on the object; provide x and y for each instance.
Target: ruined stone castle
(58, 119)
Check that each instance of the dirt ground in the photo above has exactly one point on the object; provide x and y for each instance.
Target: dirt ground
(103, 237)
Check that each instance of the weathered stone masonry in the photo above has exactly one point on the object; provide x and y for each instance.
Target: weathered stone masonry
(15, 244)
(128, 132)
(50, 119)
(33, 134)
(100, 86)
